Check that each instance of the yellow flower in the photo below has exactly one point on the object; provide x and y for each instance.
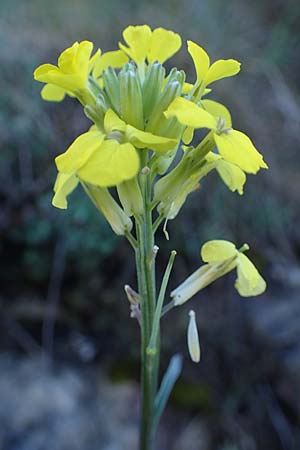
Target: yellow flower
(207, 73)
(143, 43)
(115, 59)
(234, 146)
(221, 257)
(70, 75)
(104, 159)
(64, 185)
(249, 282)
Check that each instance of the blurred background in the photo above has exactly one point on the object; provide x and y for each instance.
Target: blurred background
(69, 362)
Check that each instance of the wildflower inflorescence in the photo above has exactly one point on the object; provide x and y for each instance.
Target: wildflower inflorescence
(142, 145)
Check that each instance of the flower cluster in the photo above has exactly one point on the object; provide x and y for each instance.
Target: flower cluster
(134, 105)
(140, 115)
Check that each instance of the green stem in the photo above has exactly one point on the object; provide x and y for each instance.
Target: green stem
(131, 239)
(146, 281)
(157, 222)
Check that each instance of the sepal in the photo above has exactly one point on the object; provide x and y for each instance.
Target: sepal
(113, 213)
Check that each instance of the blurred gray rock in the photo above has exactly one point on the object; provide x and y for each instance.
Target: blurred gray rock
(64, 409)
(194, 436)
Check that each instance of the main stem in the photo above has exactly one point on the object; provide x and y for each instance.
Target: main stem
(145, 263)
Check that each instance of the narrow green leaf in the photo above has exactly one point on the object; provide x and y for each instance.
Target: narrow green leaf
(167, 384)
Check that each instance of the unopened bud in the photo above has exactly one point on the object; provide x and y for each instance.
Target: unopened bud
(157, 120)
(130, 196)
(131, 97)
(132, 296)
(164, 161)
(114, 214)
(152, 87)
(171, 209)
(112, 87)
(193, 338)
(95, 114)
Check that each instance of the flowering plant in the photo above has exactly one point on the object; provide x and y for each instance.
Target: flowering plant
(141, 144)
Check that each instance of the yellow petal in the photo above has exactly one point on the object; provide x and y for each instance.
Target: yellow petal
(164, 44)
(67, 59)
(138, 39)
(247, 269)
(93, 60)
(217, 251)
(232, 175)
(79, 151)
(190, 114)
(217, 110)
(113, 122)
(75, 59)
(52, 93)
(222, 68)
(245, 290)
(249, 282)
(65, 184)
(73, 68)
(111, 164)
(83, 56)
(188, 135)
(115, 59)
(42, 70)
(143, 139)
(200, 58)
(68, 82)
(237, 148)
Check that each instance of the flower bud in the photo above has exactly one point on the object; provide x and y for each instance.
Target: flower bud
(130, 197)
(158, 123)
(112, 212)
(95, 114)
(102, 102)
(112, 88)
(168, 187)
(152, 87)
(131, 97)
(163, 162)
(170, 209)
(132, 296)
(193, 338)
(176, 75)
(94, 86)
